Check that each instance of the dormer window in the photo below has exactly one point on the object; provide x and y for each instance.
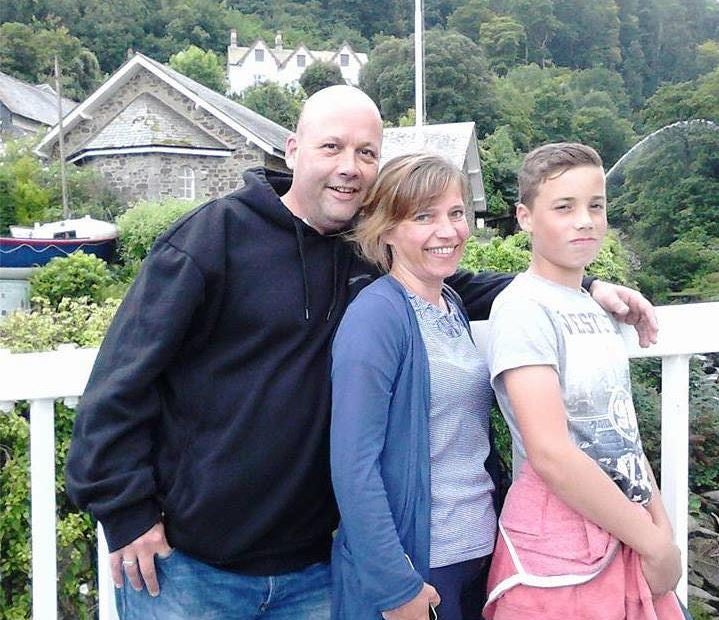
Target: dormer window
(344, 60)
(259, 55)
(301, 59)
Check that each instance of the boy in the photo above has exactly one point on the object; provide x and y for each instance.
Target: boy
(584, 533)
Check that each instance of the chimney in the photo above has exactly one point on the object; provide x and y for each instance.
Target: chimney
(233, 38)
(278, 41)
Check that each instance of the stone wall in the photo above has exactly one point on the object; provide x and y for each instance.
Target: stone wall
(156, 175)
(150, 176)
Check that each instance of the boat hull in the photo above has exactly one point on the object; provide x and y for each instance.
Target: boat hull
(23, 253)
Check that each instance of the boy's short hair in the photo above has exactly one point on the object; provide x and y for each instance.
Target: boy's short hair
(405, 186)
(549, 161)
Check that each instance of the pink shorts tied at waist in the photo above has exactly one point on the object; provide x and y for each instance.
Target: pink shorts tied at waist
(551, 563)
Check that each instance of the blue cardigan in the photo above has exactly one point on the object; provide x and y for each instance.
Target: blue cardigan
(380, 454)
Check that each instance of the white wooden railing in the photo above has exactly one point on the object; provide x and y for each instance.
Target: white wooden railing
(41, 378)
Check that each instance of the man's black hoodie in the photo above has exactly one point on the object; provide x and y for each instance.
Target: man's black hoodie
(208, 407)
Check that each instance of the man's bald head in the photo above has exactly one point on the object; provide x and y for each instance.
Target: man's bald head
(334, 155)
(347, 99)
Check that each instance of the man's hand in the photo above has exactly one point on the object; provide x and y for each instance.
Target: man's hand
(628, 306)
(138, 560)
(417, 608)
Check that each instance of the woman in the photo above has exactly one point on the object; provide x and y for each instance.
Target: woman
(410, 423)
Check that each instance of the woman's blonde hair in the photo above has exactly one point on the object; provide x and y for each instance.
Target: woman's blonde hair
(405, 186)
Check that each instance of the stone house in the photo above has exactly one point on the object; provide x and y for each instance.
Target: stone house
(27, 108)
(155, 133)
(249, 66)
(455, 141)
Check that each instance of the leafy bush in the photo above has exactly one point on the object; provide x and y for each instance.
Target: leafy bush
(140, 225)
(76, 275)
(31, 192)
(512, 254)
(76, 321)
(42, 329)
(75, 531)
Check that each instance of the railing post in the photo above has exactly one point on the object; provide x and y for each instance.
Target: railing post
(42, 489)
(675, 453)
(105, 588)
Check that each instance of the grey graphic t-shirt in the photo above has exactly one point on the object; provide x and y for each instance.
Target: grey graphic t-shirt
(535, 322)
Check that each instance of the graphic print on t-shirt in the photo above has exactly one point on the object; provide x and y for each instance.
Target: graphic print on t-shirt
(597, 396)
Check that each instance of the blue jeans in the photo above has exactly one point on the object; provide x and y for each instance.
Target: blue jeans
(190, 589)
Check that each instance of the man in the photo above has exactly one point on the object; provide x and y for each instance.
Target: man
(201, 442)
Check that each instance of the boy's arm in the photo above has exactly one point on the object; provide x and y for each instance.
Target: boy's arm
(578, 480)
(656, 507)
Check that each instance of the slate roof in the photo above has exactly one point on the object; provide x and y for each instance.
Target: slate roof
(259, 130)
(275, 134)
(147, 121)
(38, 103)
(450, 140)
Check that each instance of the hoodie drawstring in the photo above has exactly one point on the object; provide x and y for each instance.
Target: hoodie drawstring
(301, 250)
(335, 259)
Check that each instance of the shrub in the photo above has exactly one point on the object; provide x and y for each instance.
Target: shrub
(76, 321)
(83, 323)
(140, 225)
(512, 254)
(76, 275)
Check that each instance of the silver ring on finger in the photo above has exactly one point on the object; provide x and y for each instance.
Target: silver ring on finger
(129, 562)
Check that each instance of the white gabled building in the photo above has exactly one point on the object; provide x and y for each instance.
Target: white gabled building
(258, 63)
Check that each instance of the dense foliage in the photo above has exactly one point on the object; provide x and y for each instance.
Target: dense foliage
(281, 104)
(140, 225)
(513, 253)
(203, 67)
(319, 75)
(73, 321)
(664, 198)
(78, 275)
(30, 190)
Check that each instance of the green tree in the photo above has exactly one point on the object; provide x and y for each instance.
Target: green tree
(458, 86)
(669, 188)
(707, 57)
(27, 52)
(202, 23)
(500, 163)
(588, 34)
(320, 75)
(602, 128)
(202, 66)
(26, 199)
(552, 113)
(278, 103)
(503, 40)
(540, 26)
(469, 17)
(683, 101)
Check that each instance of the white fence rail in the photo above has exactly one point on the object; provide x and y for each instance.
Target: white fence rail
(41, 378)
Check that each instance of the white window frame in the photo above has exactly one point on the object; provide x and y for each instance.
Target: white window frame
(344, 60)
(187, 178)
(301, 61)
(259, 55)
